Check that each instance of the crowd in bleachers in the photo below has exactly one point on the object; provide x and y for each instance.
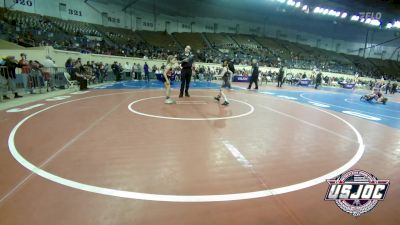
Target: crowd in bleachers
(22, 28)
(34, 30)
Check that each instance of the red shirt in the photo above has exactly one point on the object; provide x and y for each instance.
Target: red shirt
(26, 68)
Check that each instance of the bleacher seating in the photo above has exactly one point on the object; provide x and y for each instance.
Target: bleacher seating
(220, 40)
(27, 29)
(75, 27)
(24, 20)
(385, 67)
(159, 39)
(119, 35)
(277, 49)
(245, 41)
(195, 40)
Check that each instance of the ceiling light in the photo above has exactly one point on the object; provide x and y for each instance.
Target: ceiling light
(355, 18)
(375, 22)
(291, 2)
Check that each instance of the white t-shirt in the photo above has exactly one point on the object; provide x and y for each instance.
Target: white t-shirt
(49, 63)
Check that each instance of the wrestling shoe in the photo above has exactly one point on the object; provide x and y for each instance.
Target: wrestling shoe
(169, 101)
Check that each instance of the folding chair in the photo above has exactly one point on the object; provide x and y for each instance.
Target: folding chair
(70, 83)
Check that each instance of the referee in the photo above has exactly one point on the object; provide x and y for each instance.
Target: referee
(254, 74)
(186, 72)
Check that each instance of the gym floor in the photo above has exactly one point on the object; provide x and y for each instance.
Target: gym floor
(116, 154)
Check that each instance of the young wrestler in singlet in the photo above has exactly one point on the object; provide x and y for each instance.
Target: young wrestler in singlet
(225, 73)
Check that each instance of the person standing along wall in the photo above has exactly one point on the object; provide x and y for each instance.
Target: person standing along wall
(394, 88)
(387, 88)
(49, 69)
(8, 76)
(77, 74)
(186, 71)
(116, 70)
(138, 71)
(318, 79)
(127, 70)
(281, 73)
(146, 72)
(25, 72)
(254, 75)
(134, 72)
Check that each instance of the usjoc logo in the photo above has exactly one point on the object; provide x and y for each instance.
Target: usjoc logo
(356, 191)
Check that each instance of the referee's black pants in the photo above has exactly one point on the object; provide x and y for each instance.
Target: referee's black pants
(253, 79)
(186, 75)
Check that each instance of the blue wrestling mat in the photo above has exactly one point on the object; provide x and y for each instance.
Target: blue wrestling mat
(348, 103)
(337, 99)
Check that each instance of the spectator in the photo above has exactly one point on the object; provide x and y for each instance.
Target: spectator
(36, 74)
(69, 65)
(97, 70)
(280, 77)
(394, 88)
(387, 87)
(127, 70)
(139, 71)
(25, 72)
(49, 70)
(134, 74)
(76, 74)
(146, 72)
(116, 70)
(103, 71)
(318, 79)
(8, 77)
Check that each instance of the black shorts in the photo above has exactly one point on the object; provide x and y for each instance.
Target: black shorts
(163, 79)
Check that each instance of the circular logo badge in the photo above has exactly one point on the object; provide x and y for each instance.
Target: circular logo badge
(356, 191)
